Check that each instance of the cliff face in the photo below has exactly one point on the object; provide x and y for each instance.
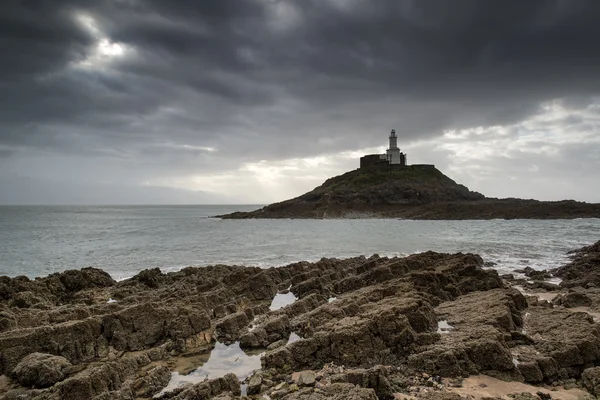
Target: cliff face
(413, 193)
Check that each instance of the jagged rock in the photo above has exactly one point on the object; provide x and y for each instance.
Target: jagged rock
(149, 277)
(386, 313)
(29, 299)
(41, 370)
(151, 382)
(85, 278)
(206, 390)
(583, 270)
(231, 326)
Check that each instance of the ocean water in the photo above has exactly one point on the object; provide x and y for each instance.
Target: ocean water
(37, 241)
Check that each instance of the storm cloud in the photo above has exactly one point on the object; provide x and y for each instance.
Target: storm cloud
(262, 99)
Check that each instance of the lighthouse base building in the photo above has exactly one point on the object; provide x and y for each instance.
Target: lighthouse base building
(393, 157)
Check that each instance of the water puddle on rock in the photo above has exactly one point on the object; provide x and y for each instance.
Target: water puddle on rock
(293, 338)
(595, 315)
(253, 324)
(444, 327)
(554, 280)
(221, 360)
(281, 300)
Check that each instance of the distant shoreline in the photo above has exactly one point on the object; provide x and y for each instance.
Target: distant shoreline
(486, 209)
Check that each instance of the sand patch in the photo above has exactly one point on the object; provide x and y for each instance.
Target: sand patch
(479, 386)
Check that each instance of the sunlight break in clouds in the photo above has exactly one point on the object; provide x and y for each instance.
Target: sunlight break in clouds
(268, 181)
(104, 51)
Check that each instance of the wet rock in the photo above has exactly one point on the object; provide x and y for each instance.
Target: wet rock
(534, 274)
(547, 286)
(41, 370)
(276, 345)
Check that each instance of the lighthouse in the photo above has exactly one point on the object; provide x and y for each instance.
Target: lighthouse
(394, 159)
(393, 154)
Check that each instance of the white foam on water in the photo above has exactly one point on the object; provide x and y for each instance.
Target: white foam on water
(281, 300)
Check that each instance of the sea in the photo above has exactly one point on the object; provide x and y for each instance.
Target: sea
(123, 240)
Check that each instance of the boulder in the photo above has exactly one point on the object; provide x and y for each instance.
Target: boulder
(41, 370)
(306, 378)
(254, 384)
(575, 299)
(591, 380)
(85, 278)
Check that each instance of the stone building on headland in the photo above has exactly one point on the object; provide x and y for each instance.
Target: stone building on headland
(393, 157)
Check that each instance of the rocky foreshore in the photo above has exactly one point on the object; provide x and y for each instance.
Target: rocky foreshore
(428, 326)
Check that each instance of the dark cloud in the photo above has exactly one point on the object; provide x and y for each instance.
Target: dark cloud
(275, 79)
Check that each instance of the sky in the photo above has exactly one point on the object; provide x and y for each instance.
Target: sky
(255, 101)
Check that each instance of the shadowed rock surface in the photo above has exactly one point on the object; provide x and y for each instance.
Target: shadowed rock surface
(379, 338)
(414, 192)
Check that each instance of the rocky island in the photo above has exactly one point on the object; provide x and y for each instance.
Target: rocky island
(426, 326)
(411, 192)
(386, 186)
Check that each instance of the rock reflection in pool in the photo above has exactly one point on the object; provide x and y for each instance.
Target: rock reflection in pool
(281, 300)
(222, 360)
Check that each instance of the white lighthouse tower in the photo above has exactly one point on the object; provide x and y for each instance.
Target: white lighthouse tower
(394, 156)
